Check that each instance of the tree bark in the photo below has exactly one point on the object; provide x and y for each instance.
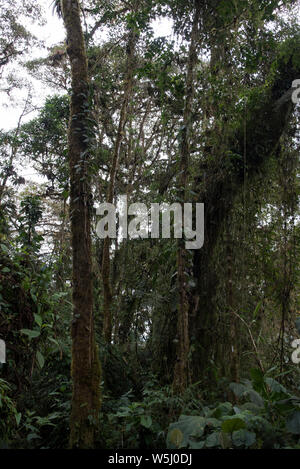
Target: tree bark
(85, 360)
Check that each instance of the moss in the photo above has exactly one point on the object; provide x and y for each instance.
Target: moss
(86, 371)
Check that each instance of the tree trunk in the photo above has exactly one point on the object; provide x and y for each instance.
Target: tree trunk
(85, 361)
(234, 355)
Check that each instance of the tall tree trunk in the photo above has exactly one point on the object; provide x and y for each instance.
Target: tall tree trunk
(128, 85)
(181, 369)
(85, 361)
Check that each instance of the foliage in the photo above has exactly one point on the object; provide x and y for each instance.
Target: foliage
(9, 417)
(241, 289)
(130, 423)
(265, 415)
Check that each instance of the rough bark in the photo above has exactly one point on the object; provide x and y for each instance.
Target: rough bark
(85, 361)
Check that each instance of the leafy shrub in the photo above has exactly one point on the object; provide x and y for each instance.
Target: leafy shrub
(9, 417)
(130, 422)
(266, 416)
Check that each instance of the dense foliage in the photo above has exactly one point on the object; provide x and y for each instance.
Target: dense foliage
(195, 346)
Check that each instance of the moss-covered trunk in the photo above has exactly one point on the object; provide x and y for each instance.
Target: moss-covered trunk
(85, 362)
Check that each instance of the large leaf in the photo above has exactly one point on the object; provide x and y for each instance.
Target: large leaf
(293, 423)
(185, 431)
(175, 438)
(276, 387)
(146, 421)
(257, 379)
(255, 398)
(40, 358)
(225, 408)
(18, 418)
(238, 389)
(225, 440)
(196, 444)
(243, 438)
(233, 424)
(38, 319)
(31, 334)
(213, 440)
(241, 390)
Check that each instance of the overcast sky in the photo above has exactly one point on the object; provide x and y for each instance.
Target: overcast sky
(51, 33)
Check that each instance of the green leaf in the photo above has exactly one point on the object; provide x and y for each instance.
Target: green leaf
(59, 295)
(256, 398)
(297, 323)
(223, 409)
(146, 421)
(65, 194)
(175, 437)
(189, 426)
(38, 319)
(225, 440)
(197, 444)
(243, 438)
(18, 418)
(241, 390)
(54, 341)
(33, 296)
(256, 374)
(213, 440)
(293, 423)
(30, 334)
(233, 424)
(40, 358)
(33, 436)
(4, 248)
(257, 379)
(238, 389)
(257, 309)
(275, 386)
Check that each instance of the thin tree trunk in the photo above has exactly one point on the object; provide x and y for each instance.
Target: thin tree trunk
(181, 369)
(85, 361)
(234, 356)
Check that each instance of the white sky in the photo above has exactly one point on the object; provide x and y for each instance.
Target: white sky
(51, 34)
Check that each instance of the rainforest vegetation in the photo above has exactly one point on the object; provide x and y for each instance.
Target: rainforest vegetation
(121, 343)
